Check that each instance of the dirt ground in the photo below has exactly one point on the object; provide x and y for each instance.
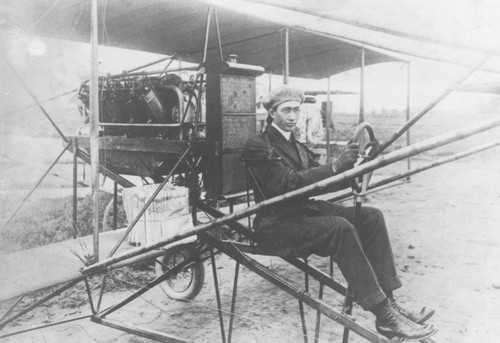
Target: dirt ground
(446, 238)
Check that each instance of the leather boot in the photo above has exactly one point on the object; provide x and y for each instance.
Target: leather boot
(417, 316)
(391, 323)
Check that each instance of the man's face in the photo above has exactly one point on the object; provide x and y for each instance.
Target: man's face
(286, 115)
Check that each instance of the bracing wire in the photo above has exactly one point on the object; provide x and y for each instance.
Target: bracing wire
(104, 28)
(46, 13)
(76, 20)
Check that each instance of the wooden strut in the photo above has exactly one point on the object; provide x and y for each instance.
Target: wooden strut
(430, 106)
(151, 334)
(104, 170)
(94, 126)
(294, 261)
(233, 301)
(414, 171)
(316, 187)
(169, 273)
(308, 270)
(217, 296)
(41, 301)
(148, 203)
(45, 326)
(11, 308)
(302, 296)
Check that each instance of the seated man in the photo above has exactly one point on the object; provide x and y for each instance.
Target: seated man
(302, 226)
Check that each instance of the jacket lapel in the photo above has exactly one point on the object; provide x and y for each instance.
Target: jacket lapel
(284, 148)
(304, 159)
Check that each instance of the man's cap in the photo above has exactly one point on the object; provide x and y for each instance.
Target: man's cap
(282, 94)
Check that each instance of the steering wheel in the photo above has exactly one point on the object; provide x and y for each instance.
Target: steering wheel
(365, 137)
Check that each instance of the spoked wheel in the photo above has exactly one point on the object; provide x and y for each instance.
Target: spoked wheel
(186, 284)
(365, 137)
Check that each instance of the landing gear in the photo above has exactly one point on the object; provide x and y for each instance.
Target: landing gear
(186, 284)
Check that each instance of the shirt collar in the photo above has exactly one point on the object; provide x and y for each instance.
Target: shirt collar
(285, 134)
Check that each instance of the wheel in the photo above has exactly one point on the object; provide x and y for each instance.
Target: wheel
(186, 284)
(365, 137)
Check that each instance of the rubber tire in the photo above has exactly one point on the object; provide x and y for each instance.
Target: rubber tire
(197, 271)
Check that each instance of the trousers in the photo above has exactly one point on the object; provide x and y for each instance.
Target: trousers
(363, 252)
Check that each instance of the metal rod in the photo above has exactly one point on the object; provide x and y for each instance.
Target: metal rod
(233, 301)
(408, 112)
(149, 202)
(207, 33)
(317, 274)
(316, 187)
(9, 310)
(362, 88)
(303, 320)
(138, 125)
(36, 185)
(219, 42)
(310, 270)
(150, 64)
(101, 292)
(89, 294)
(174, 270)
(41, 301)
(348, 311)
(217, 296)
(94, 128)
(168, 64)
(45, 326)
(286, 67)
(318, 315)
(145, 73)
(197, 118)
(151, 334)
(306, 275)
(431, 105)
(75, 188)
(331, 266)
(436, 163)
(295, 291)
(328, 122)
(115, 205)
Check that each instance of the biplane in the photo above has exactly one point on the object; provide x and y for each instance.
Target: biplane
(186, 136)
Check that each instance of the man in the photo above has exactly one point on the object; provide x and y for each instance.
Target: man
(309, 129)
(302, 226)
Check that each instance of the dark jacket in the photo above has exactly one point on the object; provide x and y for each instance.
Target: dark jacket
(279, 167)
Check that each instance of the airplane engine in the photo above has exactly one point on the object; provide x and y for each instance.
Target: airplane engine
(129, 100)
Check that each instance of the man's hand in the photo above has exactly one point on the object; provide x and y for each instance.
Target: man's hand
(375, 147)
(347, 158)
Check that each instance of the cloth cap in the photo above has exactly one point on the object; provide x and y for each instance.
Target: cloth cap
(281, 94)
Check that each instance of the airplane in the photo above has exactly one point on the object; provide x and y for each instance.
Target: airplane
(155, 125)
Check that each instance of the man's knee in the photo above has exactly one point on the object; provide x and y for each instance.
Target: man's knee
(343, 226)
(373, 215)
